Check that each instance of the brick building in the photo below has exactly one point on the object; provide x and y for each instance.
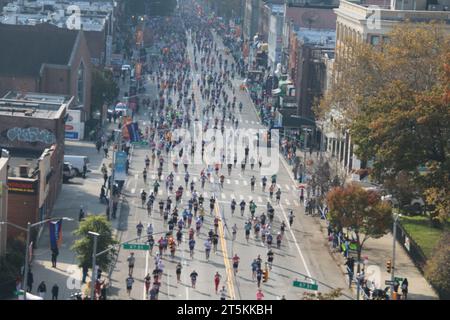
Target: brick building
(46, 59)
(32, 130)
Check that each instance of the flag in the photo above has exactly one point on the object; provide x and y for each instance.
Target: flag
(55, 233)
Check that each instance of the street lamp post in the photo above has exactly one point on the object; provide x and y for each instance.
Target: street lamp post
(27, 255)
(394, 233)
(94, 256)
(306, 131)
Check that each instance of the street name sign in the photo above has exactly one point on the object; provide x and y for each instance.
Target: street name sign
(136, 246)
(305, 285)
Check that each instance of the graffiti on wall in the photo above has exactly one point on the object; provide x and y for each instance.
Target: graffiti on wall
(31, 135)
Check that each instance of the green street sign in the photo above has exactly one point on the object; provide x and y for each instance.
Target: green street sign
(305, 285)
(140, 143)
(135, 246)
(18, 293)
(399, 280)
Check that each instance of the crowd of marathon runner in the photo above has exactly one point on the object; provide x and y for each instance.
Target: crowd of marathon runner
(175, 108)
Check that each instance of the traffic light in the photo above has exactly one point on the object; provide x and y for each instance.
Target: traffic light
(388, 266)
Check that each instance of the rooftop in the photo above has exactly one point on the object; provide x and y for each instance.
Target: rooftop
(93, 14)
(26, 48)
(36, 105)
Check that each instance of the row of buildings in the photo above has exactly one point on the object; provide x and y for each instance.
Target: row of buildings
(49, 51)
(291, 47)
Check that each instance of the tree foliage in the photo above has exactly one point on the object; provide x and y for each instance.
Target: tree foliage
(84, 246)
(104, 88)
(363, 211)
(395, 100)
(437, 270)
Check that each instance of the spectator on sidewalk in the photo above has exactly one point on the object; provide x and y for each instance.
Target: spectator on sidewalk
(30, 281)
(55, 253)
(105, 150)
(42, 289)
(405, 289)
(55, 291)
(81, 214)
(98, 145)
(84, 171)
(105, 178)
(85, 269)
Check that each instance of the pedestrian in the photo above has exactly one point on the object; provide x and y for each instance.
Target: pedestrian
(405, 289)
(42, 289)
(217, 277)
(105, 150)
(223, 293)
(129, 282)
(85, 270)
(55, 291)
(259, 295)
(84, 171)
(81, 214)
(30, 281)
(55, 253)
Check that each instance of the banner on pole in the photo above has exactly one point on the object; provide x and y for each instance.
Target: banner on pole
(55, 233)
(133, 130)
(120, 173)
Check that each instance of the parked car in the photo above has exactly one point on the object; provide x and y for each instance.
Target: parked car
(68, 172)
(77, 163)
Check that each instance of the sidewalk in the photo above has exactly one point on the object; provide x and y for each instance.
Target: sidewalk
(78, 192)
(378, 251)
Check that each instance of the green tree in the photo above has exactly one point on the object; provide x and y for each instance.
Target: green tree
(437, 269)
(104, 89)
(394, 98)
(83, 247)
(362, 211)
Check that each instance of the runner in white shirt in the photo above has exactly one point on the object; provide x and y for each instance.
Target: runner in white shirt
(223, 293)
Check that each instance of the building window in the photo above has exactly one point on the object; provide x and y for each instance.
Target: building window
(80, 83)
(374, 40)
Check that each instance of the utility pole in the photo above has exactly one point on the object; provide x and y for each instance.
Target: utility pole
(394, 234)
(94, 256)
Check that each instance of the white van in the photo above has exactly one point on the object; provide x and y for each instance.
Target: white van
(77, 163)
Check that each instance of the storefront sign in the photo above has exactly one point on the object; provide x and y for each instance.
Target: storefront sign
(21, 186)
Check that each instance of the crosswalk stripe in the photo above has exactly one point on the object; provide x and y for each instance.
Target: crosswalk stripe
(195, 179)
(260, 199)
(177, 178)
(223, 196)
(241, 197)
(287, 202)
(228, 181)
(153, 176)
(160, 192)
(236, 181)
(245, 183)
(232, 196)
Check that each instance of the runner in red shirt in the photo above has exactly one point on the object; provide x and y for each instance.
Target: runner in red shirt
(217, 277)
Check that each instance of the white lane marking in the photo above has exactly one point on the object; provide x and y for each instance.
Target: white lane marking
(296, 243)
(287, 202)
(223, 196)
(177, 178)
(287, 187)
(160, 192)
